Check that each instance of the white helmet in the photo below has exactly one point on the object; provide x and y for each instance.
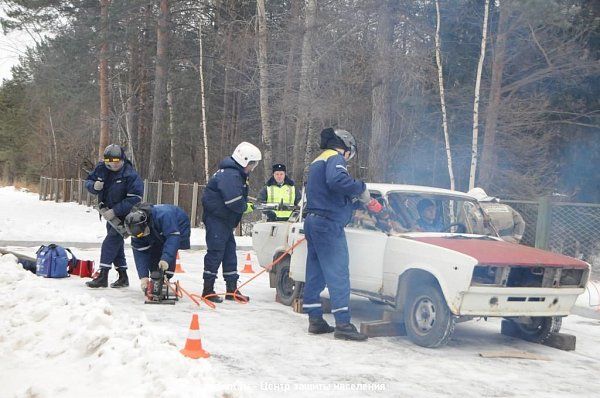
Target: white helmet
(245, 153)
(480, 195)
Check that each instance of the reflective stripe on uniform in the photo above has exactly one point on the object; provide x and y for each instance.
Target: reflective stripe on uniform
(230, 273)
(317, 305)
(233, 200)
(210, 273)
(132, 194)
(339, 309)
(141, 249)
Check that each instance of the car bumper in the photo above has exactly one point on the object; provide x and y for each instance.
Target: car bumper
(486, 301)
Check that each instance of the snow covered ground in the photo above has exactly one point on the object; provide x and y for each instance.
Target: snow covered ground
(25, 218)
(61, 339)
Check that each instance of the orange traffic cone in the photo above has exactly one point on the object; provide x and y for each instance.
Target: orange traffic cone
(193, 344)
(178, 269)
(248, 265)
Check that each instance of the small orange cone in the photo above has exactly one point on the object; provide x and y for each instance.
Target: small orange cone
(178, 269)
(193, 344)
(248, 265)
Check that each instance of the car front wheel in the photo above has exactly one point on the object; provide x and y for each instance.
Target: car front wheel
(427, 318)
(539, 328)
(287, 289)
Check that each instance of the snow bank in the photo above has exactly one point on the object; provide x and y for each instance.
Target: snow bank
(24, 217)
(76, 345)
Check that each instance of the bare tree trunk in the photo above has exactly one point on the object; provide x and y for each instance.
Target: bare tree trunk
(282, 146)
(438, 59)
(172, 140)
(380, 94)
(301, 151)
(474, 148)
(103, 78)
(264, 86)
(203, 104)
(144, 101)
(488, 160)
(160, 90)
(132, 99)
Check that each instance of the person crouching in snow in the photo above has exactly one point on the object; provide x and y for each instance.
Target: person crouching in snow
(224, 200)
(118, 187)
(157, 233)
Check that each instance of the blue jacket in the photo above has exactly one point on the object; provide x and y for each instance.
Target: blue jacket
(226, 194)
(122, 189)
(169, 227)
(330, 189)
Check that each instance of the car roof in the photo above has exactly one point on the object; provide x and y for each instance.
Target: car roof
(387, 188)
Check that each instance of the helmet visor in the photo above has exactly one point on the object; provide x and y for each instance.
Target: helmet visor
(138, 228)
(113, 164)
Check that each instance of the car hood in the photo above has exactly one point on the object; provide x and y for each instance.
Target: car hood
(500, 253)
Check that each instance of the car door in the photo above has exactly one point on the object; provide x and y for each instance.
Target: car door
(366, 249)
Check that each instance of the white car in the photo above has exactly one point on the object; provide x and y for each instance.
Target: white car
(436, 279)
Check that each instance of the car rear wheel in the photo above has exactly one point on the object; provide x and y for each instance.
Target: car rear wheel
(539, 328)
(427, 318)
(287, 289)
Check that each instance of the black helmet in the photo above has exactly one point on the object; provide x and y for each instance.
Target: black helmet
(338, 138)
(136, 223)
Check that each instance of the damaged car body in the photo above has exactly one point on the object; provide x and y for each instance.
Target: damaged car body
(437, 271)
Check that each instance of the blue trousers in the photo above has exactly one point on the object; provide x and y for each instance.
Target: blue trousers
(220, 245)
(326, 265)
(113, 250)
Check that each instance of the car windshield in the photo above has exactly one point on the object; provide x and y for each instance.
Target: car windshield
(425, 212)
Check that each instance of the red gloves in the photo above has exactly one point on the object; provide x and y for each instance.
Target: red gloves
(374, 206)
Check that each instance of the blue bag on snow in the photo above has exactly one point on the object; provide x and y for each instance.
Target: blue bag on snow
(53, 261)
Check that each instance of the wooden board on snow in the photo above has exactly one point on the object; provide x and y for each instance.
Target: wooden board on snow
(513, 354)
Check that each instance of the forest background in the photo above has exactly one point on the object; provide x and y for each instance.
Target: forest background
(448, 93)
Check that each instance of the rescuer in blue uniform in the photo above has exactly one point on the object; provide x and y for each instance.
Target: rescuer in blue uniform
(118, 187)
(157, 233)
(332, 195)
(225, 200)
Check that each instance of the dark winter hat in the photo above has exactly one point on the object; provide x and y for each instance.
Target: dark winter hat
(279, 167)
(332, 139)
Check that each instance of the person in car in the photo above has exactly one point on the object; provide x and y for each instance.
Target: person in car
(428, 220)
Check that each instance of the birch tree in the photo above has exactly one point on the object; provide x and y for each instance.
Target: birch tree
(474, 147)
(264, 86)
(438, 59)
(203, 104)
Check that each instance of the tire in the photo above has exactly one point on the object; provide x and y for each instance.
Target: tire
(539, 329)
(287, 289)
(427, 318)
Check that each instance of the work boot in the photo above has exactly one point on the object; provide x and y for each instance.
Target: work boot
(123, 280)
(209, 289)
(231, 289)
(318, 325)
(348, 331)
(101, 280)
